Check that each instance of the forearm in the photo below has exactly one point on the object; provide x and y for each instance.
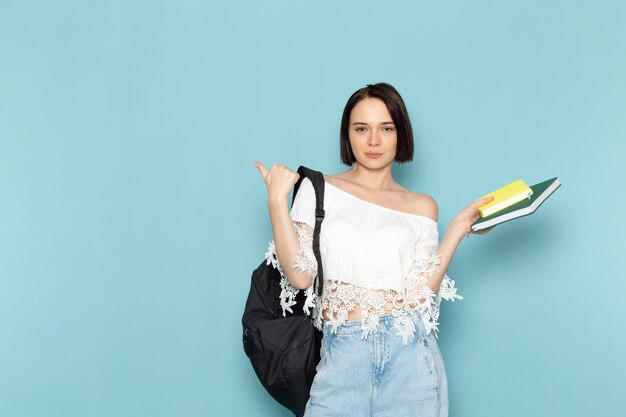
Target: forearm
(287, 243)
(447, 247)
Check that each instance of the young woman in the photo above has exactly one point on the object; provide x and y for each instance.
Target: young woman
(384, 268)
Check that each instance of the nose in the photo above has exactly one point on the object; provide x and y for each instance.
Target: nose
(373, 139)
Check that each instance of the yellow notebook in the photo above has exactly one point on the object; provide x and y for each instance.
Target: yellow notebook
(505, 197)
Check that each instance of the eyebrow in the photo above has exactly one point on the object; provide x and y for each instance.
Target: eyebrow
(363, 123)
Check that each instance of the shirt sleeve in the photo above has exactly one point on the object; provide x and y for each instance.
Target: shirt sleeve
(303, 217)
(303, 207)
(428, 242)
(419, 296)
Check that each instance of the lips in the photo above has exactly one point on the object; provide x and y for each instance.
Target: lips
(373, 154)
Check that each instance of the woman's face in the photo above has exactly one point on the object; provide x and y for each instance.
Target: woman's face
(372, 133)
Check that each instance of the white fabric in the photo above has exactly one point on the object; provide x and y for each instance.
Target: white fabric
(373, 256)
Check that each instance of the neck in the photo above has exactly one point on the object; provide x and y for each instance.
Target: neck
(374, 179)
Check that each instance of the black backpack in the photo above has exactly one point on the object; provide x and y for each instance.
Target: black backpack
(284, 351)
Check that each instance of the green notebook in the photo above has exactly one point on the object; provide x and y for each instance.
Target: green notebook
(525, 207)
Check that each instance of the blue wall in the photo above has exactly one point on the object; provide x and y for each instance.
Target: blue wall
(131, 215)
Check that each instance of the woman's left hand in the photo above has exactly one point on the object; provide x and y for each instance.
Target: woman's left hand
(463, 221)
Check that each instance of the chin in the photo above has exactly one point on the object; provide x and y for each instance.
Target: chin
(375, 164)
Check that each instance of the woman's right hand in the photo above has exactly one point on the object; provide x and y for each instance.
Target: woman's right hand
(279, 181)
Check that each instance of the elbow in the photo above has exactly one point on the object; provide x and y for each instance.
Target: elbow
(300, 281)
(299, 286)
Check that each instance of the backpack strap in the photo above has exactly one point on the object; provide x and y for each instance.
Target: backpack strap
(317, 179)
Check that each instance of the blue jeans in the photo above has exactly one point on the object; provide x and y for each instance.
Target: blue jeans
(378, 376)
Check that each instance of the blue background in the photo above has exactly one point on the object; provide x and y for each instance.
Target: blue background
(131, 215)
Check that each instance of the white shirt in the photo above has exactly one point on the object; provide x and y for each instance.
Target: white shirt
(373, 256)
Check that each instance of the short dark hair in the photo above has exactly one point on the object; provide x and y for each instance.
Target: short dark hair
(399, 115)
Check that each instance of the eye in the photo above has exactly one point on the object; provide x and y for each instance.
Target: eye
(388, 129)
(360, 129)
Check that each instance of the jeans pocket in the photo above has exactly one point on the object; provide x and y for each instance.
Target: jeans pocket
(324, 353)
(323, 358)
(429, 360)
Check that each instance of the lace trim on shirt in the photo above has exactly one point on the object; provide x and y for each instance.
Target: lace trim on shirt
(304, 262)
(416, 301)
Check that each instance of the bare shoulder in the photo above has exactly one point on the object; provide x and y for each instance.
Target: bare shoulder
(424, 205)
